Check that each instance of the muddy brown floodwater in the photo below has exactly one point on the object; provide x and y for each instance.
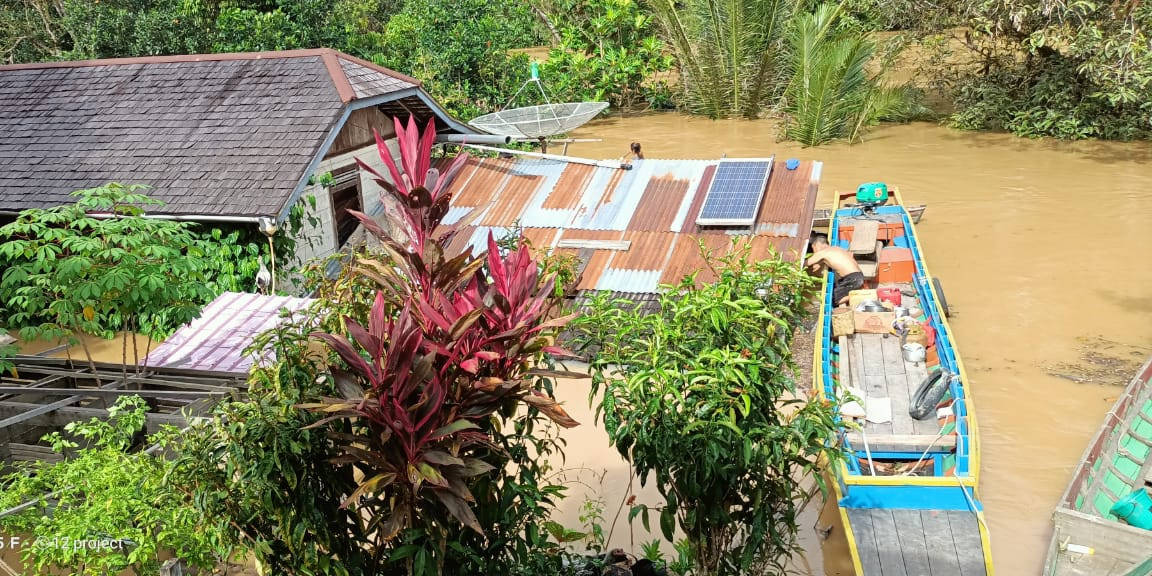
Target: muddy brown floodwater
(1044, 250)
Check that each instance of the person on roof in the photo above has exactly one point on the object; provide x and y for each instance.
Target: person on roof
(636, 152)
(848, 274)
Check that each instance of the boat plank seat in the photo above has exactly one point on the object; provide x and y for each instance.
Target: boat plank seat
(865, 233)
(868, 269)
(933, 444)
(917, 542)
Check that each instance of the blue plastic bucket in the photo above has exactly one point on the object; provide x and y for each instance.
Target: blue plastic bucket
(1135, 509)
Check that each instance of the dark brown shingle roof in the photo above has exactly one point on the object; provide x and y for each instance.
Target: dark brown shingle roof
(227, 135)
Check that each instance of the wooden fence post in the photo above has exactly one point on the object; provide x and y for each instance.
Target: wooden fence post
(172, 567)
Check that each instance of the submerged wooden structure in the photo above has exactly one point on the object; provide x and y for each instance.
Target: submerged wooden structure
(907, 491)
(48, 393)
(1087, 538)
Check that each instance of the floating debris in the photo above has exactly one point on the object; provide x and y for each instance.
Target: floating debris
(1102, 361)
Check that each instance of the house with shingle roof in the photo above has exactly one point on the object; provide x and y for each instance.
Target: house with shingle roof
(236, 138)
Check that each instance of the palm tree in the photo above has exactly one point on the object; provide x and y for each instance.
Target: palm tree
(831, 94)
(732, 53)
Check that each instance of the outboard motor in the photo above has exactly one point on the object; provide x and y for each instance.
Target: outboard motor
(872, 194)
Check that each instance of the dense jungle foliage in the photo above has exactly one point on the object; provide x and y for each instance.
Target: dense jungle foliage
(1071, 70)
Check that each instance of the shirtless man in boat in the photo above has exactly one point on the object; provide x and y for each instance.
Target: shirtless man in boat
(848, 274)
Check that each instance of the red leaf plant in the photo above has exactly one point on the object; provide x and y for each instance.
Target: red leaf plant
(449, 345)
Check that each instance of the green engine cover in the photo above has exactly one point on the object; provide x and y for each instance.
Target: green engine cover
(872, 192)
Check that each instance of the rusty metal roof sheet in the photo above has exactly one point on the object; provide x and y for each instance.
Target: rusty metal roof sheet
(653, 207)
(215, 341)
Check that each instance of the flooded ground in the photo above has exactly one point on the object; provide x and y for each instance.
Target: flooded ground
(1045, 254)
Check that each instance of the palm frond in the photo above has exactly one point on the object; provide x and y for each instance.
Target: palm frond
(730, 52)
(831, 94)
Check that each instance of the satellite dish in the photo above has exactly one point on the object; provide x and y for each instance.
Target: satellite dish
(538, 122)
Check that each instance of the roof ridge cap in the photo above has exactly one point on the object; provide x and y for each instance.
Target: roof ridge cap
(174, 59)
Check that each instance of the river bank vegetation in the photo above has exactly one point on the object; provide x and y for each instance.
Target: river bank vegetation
(1070, 70)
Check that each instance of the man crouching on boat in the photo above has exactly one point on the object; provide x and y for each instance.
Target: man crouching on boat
(848, 274)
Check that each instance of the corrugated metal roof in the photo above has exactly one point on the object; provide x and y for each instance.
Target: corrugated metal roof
(215, 341)
(653, 206)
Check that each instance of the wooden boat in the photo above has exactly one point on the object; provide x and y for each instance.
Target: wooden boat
(907, 490)
(823, 216)
(1088, 539)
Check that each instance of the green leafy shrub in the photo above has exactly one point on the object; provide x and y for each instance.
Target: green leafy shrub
(609, 52)
(1074, 70)
(459, 48)
(107, 496)
(1050, 100)
(701, 396)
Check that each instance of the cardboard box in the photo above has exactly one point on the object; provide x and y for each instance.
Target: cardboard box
(855, 297)
(842, 323)
(873, 322)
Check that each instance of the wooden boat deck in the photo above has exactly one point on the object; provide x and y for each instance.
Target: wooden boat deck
(877, 367)
(918, 542)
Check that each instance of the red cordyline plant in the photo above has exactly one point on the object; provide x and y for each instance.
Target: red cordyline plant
(449, 344)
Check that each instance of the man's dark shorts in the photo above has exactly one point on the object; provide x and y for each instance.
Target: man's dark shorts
(846, 284)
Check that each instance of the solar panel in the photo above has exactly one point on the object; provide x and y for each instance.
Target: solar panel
(734, 197)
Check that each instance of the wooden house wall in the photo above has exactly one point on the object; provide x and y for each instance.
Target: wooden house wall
(357, 131)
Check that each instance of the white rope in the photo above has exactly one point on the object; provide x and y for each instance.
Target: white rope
(939, 435)
(971, 501)
(867, 450)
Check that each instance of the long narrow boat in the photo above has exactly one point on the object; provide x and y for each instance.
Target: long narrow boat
(1088, 538)
(907, 491)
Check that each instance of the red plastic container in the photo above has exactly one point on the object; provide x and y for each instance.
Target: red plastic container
(889, 294)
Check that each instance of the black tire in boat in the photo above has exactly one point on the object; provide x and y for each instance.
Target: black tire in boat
(940, 296)
(928, 395)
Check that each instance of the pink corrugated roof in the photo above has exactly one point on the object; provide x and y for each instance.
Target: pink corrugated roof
(215, 341)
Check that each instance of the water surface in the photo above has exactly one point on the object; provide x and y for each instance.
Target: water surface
(1043, 248)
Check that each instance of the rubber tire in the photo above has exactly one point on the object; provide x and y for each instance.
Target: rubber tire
(928, 395)
(940, 298)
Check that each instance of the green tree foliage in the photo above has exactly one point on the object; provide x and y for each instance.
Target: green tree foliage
(701, 396)
(98, 266)
(106, 494)
(35, 30)
(1071, 70)
(832, 94)
(7, 352)
(69, 271)
(609, 51)
(909, 16)
(459, 48)
(42, 248)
